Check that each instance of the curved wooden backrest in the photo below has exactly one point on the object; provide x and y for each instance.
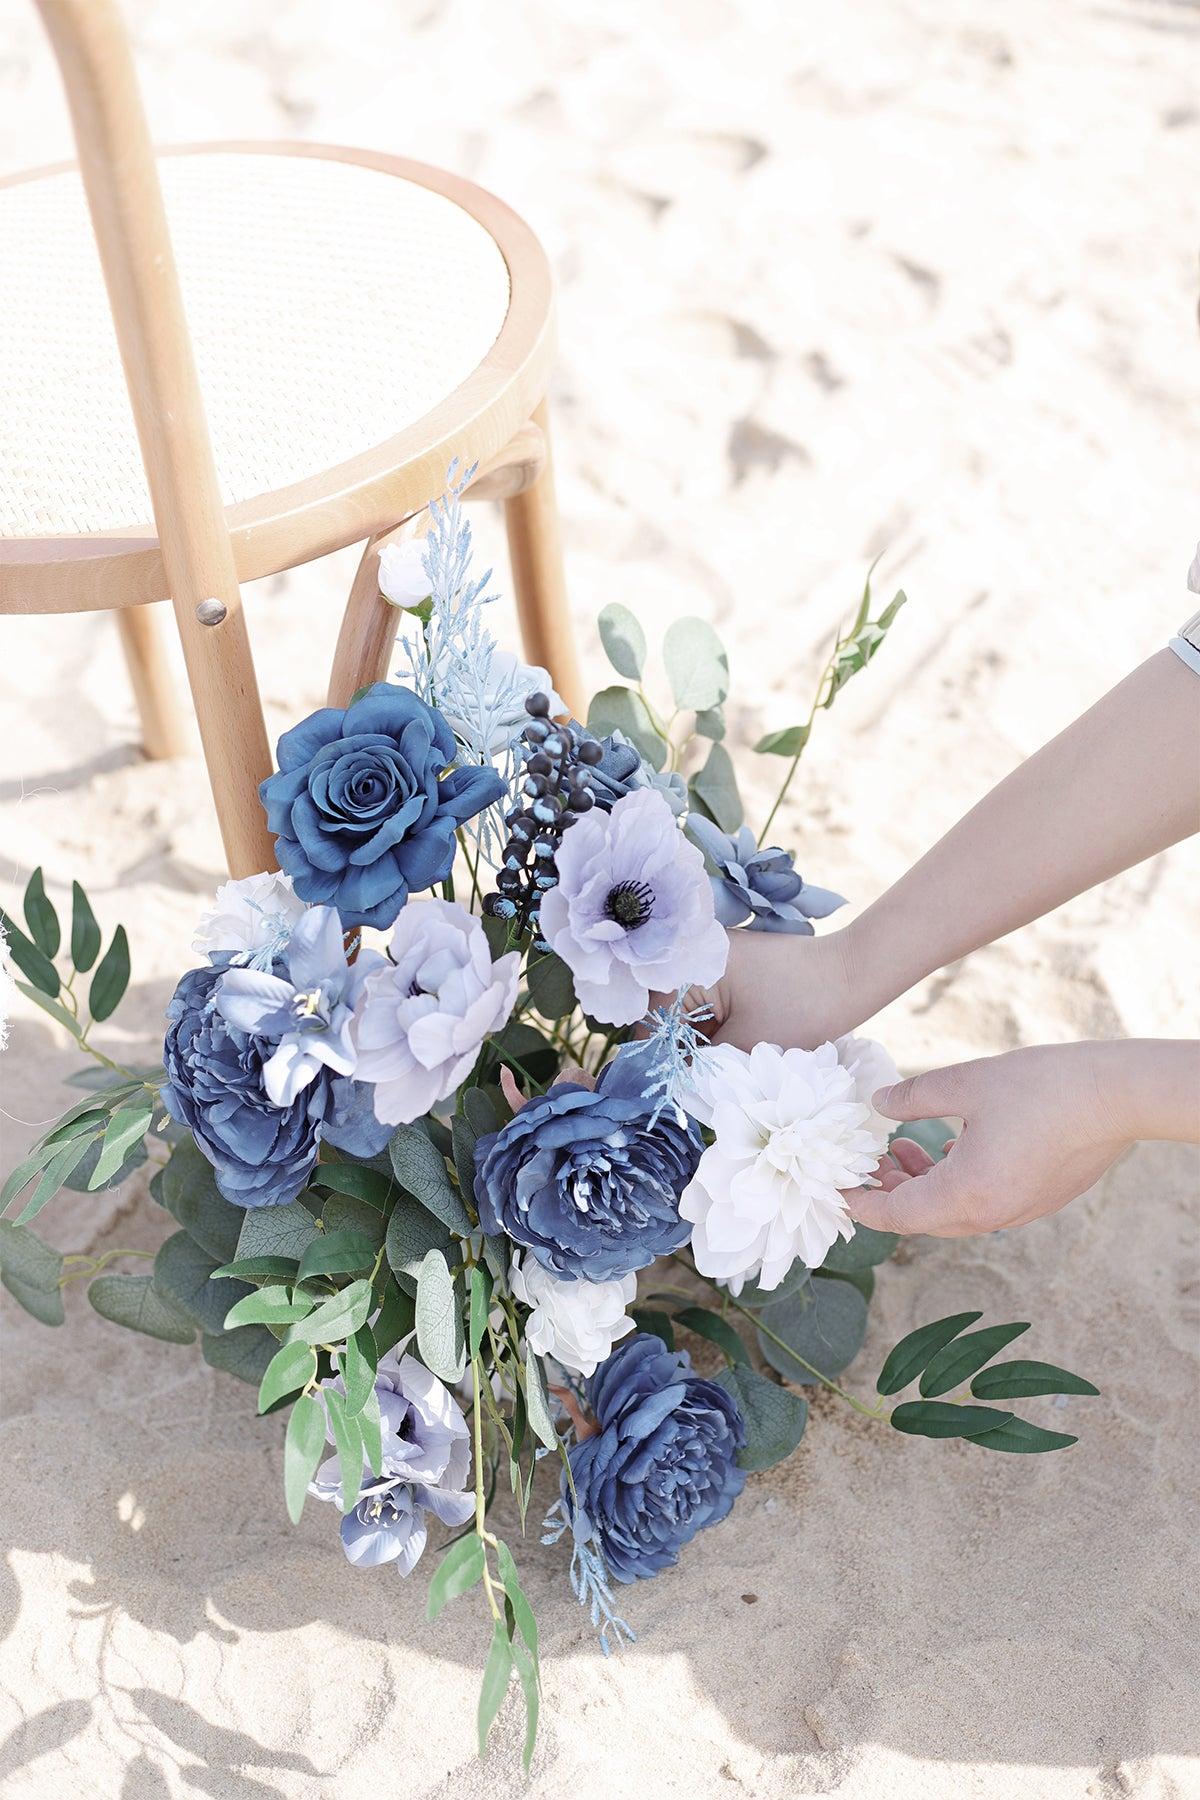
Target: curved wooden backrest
(125, 200)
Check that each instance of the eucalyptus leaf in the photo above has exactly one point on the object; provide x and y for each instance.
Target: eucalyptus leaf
(865, 1250)
(710, 723)
(696, 663)
(183, 1273)
(421, 1170)
(134, 1301)
(111, 977)
(621, 709)
(716, 785)
(623, 639)
(411, 1234)
(275, 1231)
(551, 986)
(774, 1417)
(824, 1324)
(245, 1353)
(30, 1270)
(190, 1194)
(440, 1336)
(342, 1212)
(85, 932)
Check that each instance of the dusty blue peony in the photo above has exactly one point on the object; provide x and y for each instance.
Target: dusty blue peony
(262, 1154)
(663, 1463)
(365, 807)
(588, 1182)
(759, 887)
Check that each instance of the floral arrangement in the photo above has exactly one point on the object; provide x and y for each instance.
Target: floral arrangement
(415, 1178)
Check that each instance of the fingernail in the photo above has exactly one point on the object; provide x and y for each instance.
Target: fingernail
(880, 1097)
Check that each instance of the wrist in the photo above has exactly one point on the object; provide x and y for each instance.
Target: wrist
(1147, 1088)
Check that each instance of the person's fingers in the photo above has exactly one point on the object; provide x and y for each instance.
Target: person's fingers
(939, 1203)
(922, 1096)
(910, 1156)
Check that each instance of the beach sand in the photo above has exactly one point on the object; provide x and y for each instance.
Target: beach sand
(904, 279)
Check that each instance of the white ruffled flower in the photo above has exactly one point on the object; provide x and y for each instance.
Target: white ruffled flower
(791, 1139)
(424, 1017)
(871, 1068)
(402, 576)
(575, 1322)
(250, 920)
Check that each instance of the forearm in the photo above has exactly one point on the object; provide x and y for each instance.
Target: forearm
(1119, 785)
(1149, 1088)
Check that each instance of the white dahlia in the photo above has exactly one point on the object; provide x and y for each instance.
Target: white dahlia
(792, 1138)
(871, 1068)
(575, 1322)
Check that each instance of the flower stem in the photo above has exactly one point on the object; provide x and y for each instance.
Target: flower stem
(868, 1412)
(481, 1530)
(807, 728)
(95, 1264)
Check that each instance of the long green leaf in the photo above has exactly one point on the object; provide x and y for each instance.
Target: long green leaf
(348, 1439)
(481, 1294)
(31, 961)
(292, 1367)
(58, 1013)
(1021, 1380)
(460, 1568)
(496, 1673)
(271, 1306)
(359, 1361)
(127, 1127)
(942, 1419)
(53, 1176)
(960, 1358)
(708, 1324)
(1021, 1438)
(111, 977)
(41, 917)
(911, 1354)
(337, 1318)
(527, 1671)
(361, 1183)
(536, 1402)
(85, 932)
(337, 1253)
(522, 1611)
(302, 1449)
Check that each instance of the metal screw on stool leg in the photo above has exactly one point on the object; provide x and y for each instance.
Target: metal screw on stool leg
(211, 612)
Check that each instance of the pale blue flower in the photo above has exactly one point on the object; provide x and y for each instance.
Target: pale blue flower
(759, 888)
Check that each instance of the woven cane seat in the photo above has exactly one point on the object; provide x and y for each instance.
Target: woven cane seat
(335, 306)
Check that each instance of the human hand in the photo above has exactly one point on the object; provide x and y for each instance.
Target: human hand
(780, 988)
(1039, 1129)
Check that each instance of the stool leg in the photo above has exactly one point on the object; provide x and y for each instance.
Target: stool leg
(369, 625)
(539, 586)
(150, 678)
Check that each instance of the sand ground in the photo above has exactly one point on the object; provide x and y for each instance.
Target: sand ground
(902, 277)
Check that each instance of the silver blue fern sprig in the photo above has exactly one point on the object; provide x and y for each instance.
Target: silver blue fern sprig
(671, 1045)
(590, 1580)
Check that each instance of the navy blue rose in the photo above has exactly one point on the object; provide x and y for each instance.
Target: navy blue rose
(588, 1182)
(663, 1463)
(263, 1155)
(364, 807)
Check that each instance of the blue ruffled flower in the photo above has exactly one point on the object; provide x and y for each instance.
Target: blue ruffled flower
(588, 1182)
(263, 1154)
(623, 769)
(365, 807)
(759, 888)
(663, 1463)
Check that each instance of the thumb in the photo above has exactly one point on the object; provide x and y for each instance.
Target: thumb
(922, 1096)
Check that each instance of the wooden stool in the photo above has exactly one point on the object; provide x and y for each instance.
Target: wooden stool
(357, 321)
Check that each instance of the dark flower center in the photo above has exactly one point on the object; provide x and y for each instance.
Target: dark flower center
(630, 903)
